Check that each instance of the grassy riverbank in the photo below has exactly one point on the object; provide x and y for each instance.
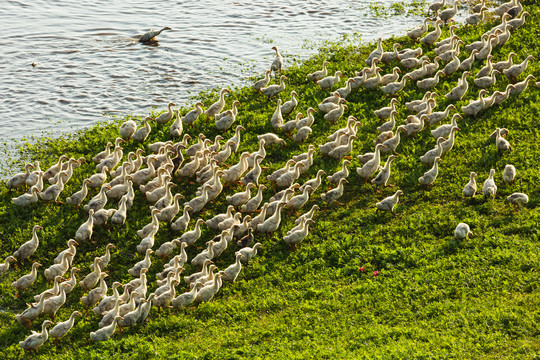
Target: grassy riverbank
(434, 297)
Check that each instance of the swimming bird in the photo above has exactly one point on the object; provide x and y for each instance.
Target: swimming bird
(150, 37)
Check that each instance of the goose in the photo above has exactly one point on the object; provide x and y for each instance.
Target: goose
(414, 127)
(92, 278)
(485, 51)
(237, 170)
(389, 125)
(452, 66)
(111, 161)
(296, 237)
(232, 272)
(35, 340)
(315, 182)
(182, 222)
(26, 281)
(392, 143)
(259, 84)
(424, 108)
(166, 285)
(227, 118)
(466, 65)
(377, 53)
(489, 189)
(409, 53)
(167, 248)
(517, 23)
(447, 145)
(277, 116)
(190, 237)
(197, 147)
(276, 174)
(176, 128)
(342, 174)
(127, 129)
(131, 318)
(340, 151)
(78, 197)
(272, 90)
(59, 269)
(434, 35)
(197, 275)
(185, 299)
(252, 177)
(277, 64)
(374, 81)
(425, 69)
(53, 191)
(168, 213)
(502, 9)
(410, 105)
(436, 6)
(430, 156)
(109, 315)
(247, 253)
(330, 102)
(207, 254)
(486, 81)
(198, 203)
(288, 178)
(30, 178)
(166, 116)
(307, 215)
(19, 179)
(302, 134)
(372, 165)
(97, 294)
(413, 62)
(98, 201)
(214, 222)
(105, 333)
(470, 188)
(438, 116)
(475, 106)
(384, 113)
(385, 135)
(334, 194)
(392, 77)
(430, 83)
(54, 180)
(518, 199)
(33, 311)
(259, 219)
(272, 223)
(329, 81)
(318, 75)
(509, 174)
(54, 303)
(235, 140)
(162, 194)
(146, 174)
(216, 107)
(461, 89)
(194, 114)
(142, 133)
(145, 263)
(5, 266)
(515, 70)
(102, 216)
(447, 44)
(502, 143)
(296, 202)
(389, 56)
(429, 176)
(416, 33)
(252, 204)
(503, 38)
(518, 88)
(345, 91)
(384, 174)
(28, 248)
(395, 87)
(288, 107)
(289, 126)
(333, 115)
(28, 198)
(85, 230)
(105, 259)
(189, 169)
(147, 242)
(271, 139)
(461, 231)
(207, 292)
(97, 180)
(101, 155)
(448, 14)
(388, 204)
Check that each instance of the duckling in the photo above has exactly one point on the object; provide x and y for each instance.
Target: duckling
(509, 174)
(194, 114)
(388, 204)
(345, 91)
(470, 188)
(232, 272)
(375, 54)
(34, 177)
(429, 177)
(329, 81)
(438, 116)
(453, 65)
(272, 90)
(35, 340)
(295, 237)
(489, 189)
(502, 143)
(517, 23)
(71, 248)
(246, 253)
(259, 84)
(92, 278)
(54, 303)
(319, 75)
(53, 192)
(415, 127)
(462, 231)
(395, 87)
(296, 202)
(518, 199)
(85, 230)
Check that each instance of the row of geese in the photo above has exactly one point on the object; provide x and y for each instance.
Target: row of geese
(205, 157)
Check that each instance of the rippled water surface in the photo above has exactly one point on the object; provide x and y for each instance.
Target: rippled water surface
(88, 62)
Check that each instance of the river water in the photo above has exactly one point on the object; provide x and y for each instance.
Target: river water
(88, 65)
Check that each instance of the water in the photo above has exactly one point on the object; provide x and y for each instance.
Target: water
(89, 64)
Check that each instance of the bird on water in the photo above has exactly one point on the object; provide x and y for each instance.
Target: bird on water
(150, 36)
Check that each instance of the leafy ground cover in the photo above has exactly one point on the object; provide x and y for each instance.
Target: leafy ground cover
(431, 296)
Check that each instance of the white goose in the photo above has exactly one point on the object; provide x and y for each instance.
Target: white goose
(216, 107)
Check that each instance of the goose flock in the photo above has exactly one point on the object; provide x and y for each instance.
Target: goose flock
(247, 217)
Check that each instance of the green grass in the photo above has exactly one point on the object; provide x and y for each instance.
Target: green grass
(434, 297)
